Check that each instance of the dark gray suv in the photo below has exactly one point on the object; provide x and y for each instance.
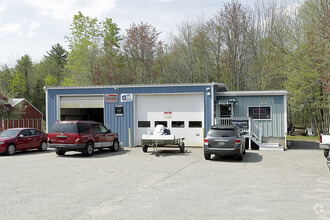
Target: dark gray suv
(224, 140)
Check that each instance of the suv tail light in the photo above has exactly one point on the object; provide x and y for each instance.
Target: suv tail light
(321, 138)
(78, 138)
(238, 141)
(206, 141)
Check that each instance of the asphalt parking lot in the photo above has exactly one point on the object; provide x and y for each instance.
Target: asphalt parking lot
(130, 184)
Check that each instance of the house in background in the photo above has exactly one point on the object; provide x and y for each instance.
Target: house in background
(30, 118)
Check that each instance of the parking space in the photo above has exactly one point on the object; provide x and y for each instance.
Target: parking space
(130, 184)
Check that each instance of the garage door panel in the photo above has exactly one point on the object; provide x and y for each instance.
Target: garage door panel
(182, 107)
(82, 101)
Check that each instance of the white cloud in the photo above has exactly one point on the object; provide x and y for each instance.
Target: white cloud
(32, 28)
(3, 7)
(10, 28)
(162, 0)
(65, 9)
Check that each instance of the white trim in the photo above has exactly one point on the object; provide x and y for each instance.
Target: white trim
(212, 106)
(285, 114)
(256, 106)
(253, 93)
(135, 86)
(46, 112)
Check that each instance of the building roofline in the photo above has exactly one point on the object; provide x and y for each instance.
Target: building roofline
(220, 85)
(19, 100)
(253, 93)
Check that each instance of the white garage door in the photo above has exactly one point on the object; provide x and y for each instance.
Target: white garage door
(91, 101)
(183, 114)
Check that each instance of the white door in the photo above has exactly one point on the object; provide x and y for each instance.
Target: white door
(183, 114)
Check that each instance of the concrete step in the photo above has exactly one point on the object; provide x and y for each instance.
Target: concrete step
(271, 146)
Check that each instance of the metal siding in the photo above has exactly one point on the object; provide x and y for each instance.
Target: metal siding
(121, 124)
(271, 128)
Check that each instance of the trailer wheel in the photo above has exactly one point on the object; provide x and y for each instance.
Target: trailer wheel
(181, 148)
(144, 148)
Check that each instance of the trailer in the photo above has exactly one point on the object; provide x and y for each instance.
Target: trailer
(156, 141)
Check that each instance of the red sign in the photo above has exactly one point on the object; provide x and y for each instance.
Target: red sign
(111, 98)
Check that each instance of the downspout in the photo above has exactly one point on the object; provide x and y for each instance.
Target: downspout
(45, 88)
(212, 104)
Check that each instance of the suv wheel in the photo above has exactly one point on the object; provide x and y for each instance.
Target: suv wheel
(239, 157)
(326, 153)
(207, 156)
(59, 152)
(89, 149)
(115, 146)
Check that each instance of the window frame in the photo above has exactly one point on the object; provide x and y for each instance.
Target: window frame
(201, 126)
(260, 106)
(138, 125)
(178, 122)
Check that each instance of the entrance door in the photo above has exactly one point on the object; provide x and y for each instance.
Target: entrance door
(224, 111)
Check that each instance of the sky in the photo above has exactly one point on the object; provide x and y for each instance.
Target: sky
(33, 26)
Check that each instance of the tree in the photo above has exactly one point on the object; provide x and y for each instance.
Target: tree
(6, 75)
(6, 107)
(24, 70)
(18, 87)
(55, 62)
(141, 48)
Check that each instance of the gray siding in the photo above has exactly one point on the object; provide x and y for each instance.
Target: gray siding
(275, 127)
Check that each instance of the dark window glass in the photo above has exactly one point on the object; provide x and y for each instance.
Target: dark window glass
(64, 128)
(161, 123)
(144, 124)
(83, 128)
(25, 133)
(260, 112)
(195, 124)
(34, 132)
(225, 111)
(177, 124)
(222, 133)
(95, 128)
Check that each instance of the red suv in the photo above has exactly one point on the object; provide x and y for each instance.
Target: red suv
(84, 136)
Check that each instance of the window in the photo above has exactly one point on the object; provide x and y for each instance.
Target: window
(195, 124)
(25, 133)
(260, 112)
(95, 128)
(144, 124)
(161, 123)
(103, 129)
(177, 124)
(119, 110)
(83, 128)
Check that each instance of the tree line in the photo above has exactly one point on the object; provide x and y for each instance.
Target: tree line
(271, 46)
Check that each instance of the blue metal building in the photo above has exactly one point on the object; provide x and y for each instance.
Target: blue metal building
(188, 110)
(121, 108)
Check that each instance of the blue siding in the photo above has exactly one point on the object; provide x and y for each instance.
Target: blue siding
(275, 127)
(121, 124)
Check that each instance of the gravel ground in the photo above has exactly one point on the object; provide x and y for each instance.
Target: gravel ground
(130, 184)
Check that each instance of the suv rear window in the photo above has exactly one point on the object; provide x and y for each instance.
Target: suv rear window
(70, 128)
(64, 128)
(222, 133)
